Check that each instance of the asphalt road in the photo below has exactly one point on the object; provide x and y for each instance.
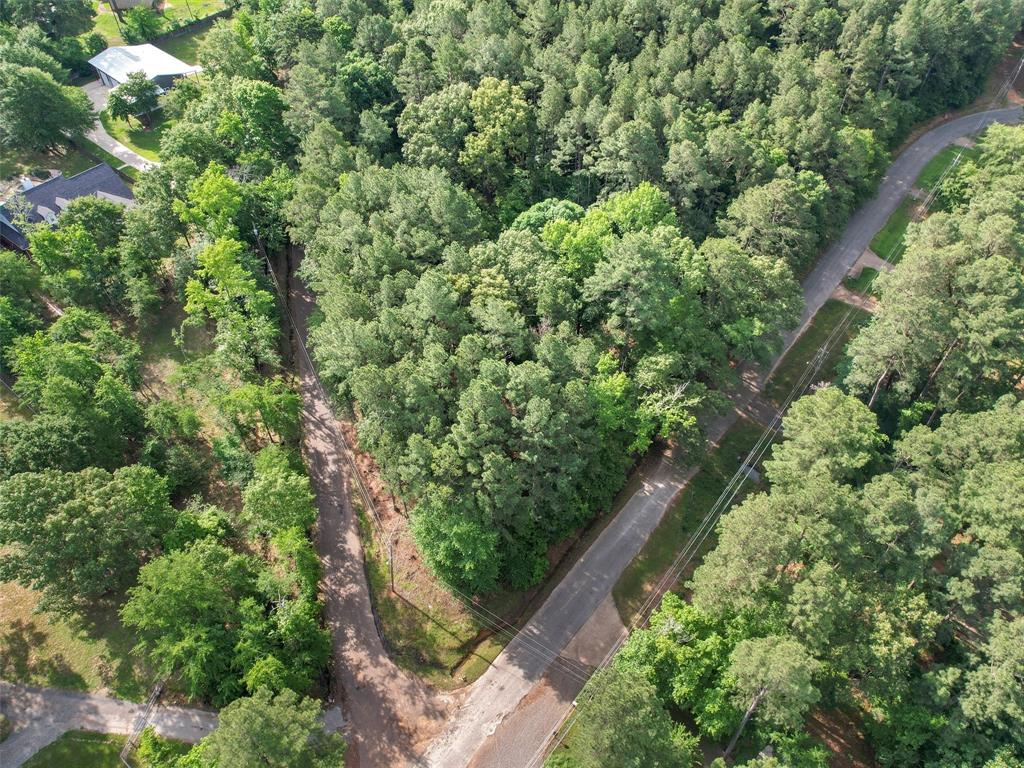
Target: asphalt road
(41, 715)
(518, 674)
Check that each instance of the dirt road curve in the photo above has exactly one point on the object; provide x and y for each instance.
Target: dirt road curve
(391, 714)
(486, 722)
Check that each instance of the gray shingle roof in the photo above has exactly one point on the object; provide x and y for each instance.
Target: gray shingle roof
(99, 180)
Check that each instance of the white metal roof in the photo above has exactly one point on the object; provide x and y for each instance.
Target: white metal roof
(120, 61)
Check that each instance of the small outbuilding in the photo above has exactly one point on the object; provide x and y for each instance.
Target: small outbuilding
(115, 64)
(45, 201)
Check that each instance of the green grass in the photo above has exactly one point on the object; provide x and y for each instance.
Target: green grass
(185, 47)
(99, 154)
(144, 141)
(430, 639)
(80, 749)
(684, 517)
(105, 24)
(68, 162)
(803, 351)
(937, 165)
(179, 9)
(862, 282)
(85, 749)
(40, 649)
(173, 11)
(890, 237)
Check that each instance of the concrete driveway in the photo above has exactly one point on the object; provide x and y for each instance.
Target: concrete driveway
(41, 715)
(97, 93)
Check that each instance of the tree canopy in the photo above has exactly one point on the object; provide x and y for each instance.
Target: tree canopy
(37, 112)
(282, 731)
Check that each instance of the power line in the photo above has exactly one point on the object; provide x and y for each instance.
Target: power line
(532, 645)
(683, 559)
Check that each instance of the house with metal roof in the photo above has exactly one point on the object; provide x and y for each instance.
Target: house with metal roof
(115, 64)
(45, 201)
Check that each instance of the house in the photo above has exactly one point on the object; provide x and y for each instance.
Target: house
(48, 199)
(115, 64)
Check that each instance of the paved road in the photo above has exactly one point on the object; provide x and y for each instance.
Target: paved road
(393, 714)
(41, 715)
(896, 184)
(521, 668)
(97, 93)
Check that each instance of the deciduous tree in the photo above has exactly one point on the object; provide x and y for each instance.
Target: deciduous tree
(282, 731)
(37, 112)
(80, 537)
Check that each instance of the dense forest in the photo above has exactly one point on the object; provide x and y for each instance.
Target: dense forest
(542, 236)
(887, 573)
(150, 479)
(559, 225)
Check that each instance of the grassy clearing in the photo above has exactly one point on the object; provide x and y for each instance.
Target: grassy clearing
(683, 518)
(40, 649)
(175, 13)
(937, 165)
(68, 162)
(105, 23)
(186, 11)
(85, 749)
(144, 141)
(890, 237)
(185, 47)
(862, 282)
(430, 637)
(80, 749)
(795, 362)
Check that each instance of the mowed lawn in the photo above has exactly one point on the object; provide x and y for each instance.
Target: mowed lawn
(185, 47)
(145, 141)
(938, 165)
(44, 650)
(80, 749)
(888, 243)
(800, 355)
(85, 749)
(174, 12)
(685, 516)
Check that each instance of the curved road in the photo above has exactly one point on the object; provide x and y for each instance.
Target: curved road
(488, 721)
(41, 715)
(392, 713)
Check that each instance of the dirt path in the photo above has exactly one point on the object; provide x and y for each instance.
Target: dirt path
(392, 714)
(854, 299)
(41, 715)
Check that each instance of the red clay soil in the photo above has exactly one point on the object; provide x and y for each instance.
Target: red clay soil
(390, 715)
(842, 734)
